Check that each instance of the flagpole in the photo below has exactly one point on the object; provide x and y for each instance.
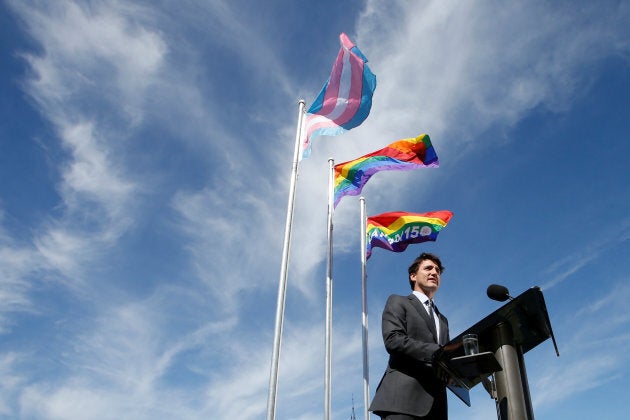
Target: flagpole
(366, 367)
(329, 287)
(282, 283)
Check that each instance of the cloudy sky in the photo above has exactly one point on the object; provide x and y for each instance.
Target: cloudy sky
(145, 157)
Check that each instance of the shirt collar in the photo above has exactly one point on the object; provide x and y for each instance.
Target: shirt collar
(423, 298)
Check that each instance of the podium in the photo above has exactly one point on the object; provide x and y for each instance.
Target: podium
(504, 337)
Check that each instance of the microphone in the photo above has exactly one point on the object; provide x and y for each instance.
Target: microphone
(498, 292)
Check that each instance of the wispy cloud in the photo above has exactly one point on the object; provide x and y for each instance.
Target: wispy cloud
(218, 221)
(449, 62)
(91, 57)
(11, 382)
(607, 238)
(17, 263)
(596, 350)
(97, 50)
(121, 361)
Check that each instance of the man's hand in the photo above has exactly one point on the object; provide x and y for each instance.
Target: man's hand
(452, 347)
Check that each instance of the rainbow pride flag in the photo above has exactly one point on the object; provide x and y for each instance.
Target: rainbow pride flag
(346, 98)
(396, 230)
(402, 155)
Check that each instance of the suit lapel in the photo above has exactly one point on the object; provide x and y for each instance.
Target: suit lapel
(415, 302)
(443, 329)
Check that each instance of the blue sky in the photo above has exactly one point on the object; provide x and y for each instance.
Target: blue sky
(145, 155)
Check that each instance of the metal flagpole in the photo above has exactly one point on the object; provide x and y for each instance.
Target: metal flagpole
(282, 284)
(329, 287)
(366, 368)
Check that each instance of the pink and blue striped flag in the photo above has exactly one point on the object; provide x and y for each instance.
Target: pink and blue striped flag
(402, 155)
(345, 100)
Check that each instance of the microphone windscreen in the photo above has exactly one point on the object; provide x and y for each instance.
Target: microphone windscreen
(498, 292)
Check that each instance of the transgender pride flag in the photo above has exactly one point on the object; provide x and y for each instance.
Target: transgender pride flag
(345, 100)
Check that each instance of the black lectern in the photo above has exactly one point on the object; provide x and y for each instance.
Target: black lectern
(504, 337)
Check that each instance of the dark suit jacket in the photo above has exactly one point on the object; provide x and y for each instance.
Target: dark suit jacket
(409, 385)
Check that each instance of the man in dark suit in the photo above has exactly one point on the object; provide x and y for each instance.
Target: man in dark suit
(413, 330)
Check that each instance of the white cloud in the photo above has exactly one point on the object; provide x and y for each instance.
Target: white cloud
(118, 363)
(97, 49)
(564, 268)
(10, 382)
(593, 351)
(219, 223)
(91, 56)
(17, 262)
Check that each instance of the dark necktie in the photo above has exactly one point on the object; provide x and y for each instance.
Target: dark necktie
(432, 315)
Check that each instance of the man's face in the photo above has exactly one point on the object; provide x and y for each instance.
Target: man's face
(426, 278)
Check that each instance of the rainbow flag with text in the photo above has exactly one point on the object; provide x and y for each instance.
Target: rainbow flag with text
(396, 230)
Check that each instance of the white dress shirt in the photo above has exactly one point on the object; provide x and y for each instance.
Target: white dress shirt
(424, 299)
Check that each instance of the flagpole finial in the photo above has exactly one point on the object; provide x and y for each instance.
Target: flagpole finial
(301, 101)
